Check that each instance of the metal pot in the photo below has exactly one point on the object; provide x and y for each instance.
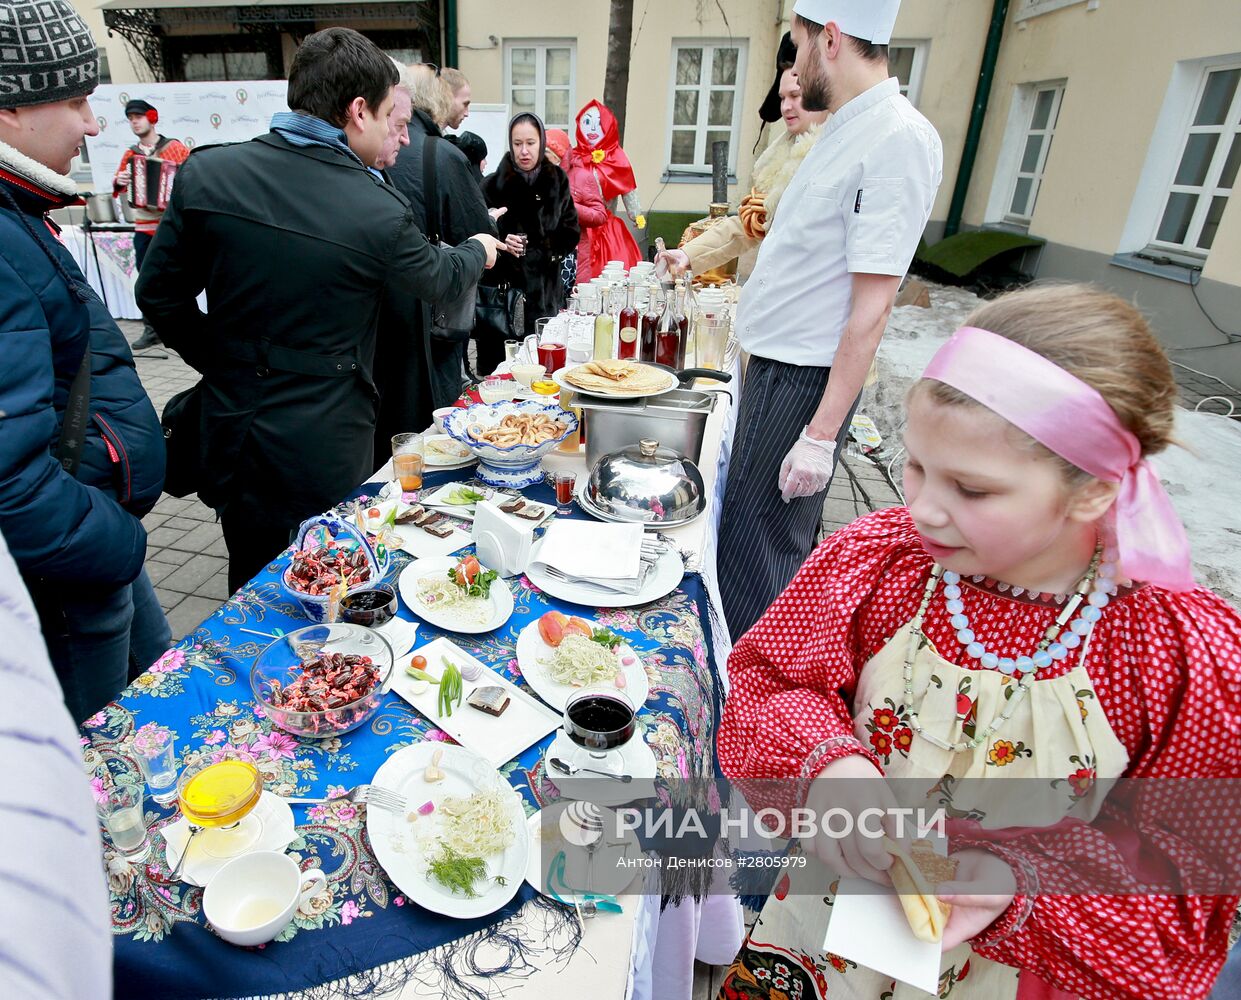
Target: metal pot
(99, 208)
(647, 483)
(685, 376)
(677, 419)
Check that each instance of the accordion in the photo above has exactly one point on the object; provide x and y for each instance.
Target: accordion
(150, 181)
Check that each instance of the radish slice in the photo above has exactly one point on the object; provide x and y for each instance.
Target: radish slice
(628, 660)
(621, 680)
(426, 809)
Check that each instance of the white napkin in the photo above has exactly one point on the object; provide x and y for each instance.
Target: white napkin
(503, 543)
(591, 550)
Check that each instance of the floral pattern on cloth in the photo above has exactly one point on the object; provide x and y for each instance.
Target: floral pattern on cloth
(200, 690)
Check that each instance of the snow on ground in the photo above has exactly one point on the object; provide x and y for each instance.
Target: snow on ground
(1201, 478)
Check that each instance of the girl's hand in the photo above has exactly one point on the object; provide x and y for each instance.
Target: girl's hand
(981, 892)
(860, 854)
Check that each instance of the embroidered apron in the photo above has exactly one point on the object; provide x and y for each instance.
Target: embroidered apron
(1058, 734)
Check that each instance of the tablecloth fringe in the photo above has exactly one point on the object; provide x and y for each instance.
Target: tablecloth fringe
(451, 971)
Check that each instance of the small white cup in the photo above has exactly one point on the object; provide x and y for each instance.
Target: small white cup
(440, 415)
(252, 898)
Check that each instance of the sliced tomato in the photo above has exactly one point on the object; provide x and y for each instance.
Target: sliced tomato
(552, 627)
(580, 626)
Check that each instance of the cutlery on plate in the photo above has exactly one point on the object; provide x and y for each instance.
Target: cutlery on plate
(627, 587)
(175, 874)
(371, 795)
(564, 767)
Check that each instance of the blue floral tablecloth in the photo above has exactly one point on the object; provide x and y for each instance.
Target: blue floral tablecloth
(200, 689)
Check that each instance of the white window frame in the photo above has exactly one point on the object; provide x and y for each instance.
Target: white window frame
(704, 103)
(921, 47)
(1008, 166)
(1209, 189)
(540, 75)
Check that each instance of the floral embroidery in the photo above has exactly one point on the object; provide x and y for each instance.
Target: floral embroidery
(1080, 781)
(888, 732)
(1004, 752)
(1081, 701)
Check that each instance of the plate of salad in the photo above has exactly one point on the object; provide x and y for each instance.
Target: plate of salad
(461, 847)
(457, 499)
(558, 654)
(456, 594)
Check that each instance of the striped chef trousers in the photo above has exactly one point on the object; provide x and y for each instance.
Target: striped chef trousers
(763, 541)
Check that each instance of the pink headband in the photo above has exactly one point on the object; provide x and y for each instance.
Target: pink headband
(1069, 417)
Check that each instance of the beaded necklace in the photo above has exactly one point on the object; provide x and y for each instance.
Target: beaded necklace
(1055, 645)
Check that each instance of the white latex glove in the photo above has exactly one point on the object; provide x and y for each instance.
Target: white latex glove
(806, 468)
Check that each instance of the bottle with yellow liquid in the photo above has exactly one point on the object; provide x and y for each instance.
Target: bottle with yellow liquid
(605, 326)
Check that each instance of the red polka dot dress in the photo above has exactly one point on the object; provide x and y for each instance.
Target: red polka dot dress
(1159, 679)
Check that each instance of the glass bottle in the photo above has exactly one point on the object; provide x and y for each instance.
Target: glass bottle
(650, 323)
(669, 340)
(604, 327)
(682, 320)
(628, 319)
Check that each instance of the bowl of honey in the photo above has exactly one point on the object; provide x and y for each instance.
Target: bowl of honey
(216, 799)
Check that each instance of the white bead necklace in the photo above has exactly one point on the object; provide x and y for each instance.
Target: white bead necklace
(1055, 645)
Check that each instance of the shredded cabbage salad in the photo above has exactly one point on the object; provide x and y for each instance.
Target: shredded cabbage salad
(442, 594)
(579, 661)
(480, 825)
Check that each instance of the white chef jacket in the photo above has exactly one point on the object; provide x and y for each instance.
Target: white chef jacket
(858, 203)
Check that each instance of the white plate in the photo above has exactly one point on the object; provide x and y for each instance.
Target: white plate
(635, 758)
(435, 460)
(414, 540)
(607, 873)
(500, 597)
(531, 649)
(496, 738)
(560, 380)
(397, 845)
(663, 579)
(401, 635)
(210, 851)
(435, 501)
(438, 499)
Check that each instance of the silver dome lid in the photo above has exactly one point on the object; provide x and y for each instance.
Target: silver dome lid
(644, 482)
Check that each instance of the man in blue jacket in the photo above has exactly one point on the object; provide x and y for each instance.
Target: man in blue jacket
(81, 449)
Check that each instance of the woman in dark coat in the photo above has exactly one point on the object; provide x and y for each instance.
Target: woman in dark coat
(540, 208)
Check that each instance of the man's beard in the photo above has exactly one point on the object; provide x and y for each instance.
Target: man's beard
(816, 89)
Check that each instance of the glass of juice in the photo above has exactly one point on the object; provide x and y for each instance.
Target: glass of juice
(552, 357)
(219, 797)
(563, 483)
(407, 460)
(121, 812)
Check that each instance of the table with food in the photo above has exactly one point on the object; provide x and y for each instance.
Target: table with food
(389, 761)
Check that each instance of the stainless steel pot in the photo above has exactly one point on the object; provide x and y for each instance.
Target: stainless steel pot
(99, 208)
(645, 482)
(677, 419)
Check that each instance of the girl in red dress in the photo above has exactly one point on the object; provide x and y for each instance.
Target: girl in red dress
(1031, 613)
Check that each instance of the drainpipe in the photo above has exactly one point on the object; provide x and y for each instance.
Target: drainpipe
(450, 32)
(978, 115)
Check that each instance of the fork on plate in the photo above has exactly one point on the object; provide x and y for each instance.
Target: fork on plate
(371, 795)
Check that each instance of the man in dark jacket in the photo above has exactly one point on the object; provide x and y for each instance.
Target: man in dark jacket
(416, 370)
(296, 243)
(81, 450)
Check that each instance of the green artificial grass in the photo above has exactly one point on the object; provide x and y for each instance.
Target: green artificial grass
(963, 254)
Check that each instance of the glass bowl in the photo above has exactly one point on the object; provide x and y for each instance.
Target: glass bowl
(343, 700)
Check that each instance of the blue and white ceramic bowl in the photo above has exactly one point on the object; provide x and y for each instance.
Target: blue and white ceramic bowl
(515, 465)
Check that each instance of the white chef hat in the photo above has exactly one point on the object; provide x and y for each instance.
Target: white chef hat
(870, 20)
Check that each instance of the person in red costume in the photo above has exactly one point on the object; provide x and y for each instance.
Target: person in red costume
(591, 212)
(598, 148)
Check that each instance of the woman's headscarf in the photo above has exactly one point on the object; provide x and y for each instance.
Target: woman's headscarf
(473, 146)
(558, 143)
(527, 116)
(612, 166)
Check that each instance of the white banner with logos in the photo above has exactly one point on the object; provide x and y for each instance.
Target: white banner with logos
(199, 114)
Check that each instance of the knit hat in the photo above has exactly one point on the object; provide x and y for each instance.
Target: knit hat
(46, 53)
(558, 142)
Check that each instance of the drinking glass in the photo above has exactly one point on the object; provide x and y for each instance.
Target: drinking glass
(511, 347)
(121, 811)
(563, 483)
(493, 389)
(407, 460)
(600, 719)
(155, 750)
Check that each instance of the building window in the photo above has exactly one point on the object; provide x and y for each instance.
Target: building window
(207, 58)
(906, 62)
(1035, 147)
(1210, 155)
(706, 98)
(539, 77)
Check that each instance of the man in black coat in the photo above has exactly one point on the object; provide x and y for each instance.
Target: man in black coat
(418, 371)
(297, 243)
